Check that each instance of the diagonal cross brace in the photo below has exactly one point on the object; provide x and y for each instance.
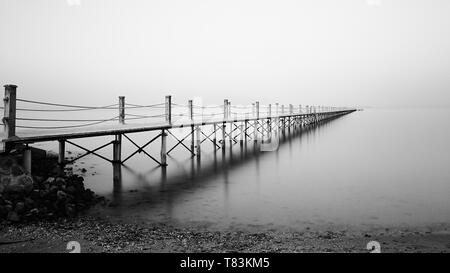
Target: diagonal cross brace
(88, 152)
(141, 149)
(180, 142)
(208, 137)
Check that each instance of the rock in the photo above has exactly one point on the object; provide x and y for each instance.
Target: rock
(34, 211)
(60, 181)
(16, 170)
(5, 181)
(29, 203)
(52, 155)
(3, 211)
(8, 207)
(60, 195)
(20, 208)
(13, 216)
(50, 180)
(71, 190)
(70, 210)
(21, 183)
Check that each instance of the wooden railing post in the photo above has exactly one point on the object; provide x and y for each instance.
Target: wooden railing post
(168, 109)
(191, 110)
(225, 109)
(121, 109)
(9, 117)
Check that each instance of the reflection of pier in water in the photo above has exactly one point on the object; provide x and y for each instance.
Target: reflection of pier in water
(192, 173)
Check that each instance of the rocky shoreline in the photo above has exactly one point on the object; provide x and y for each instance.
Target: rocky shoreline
(97, 234)
(47, 194)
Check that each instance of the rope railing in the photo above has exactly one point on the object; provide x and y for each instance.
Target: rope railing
(65, 105)
(136, 106)
(69, 126)
(131, 111)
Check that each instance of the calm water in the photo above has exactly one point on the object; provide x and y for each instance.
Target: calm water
(369, 168)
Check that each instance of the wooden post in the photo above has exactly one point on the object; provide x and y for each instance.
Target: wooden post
(231, 121)
(214, 135)
(191, 117)
(314, 112)
(168, 109)
(199, 140)
(9, 117)
(245, 126)
(117, 149)
(225, 109)
(241, 127)
(291, 111)
(27, 159)
(269, 119)
(62, 152)
(121, 109)
(256, 120)
(190, 111)
(163, 148)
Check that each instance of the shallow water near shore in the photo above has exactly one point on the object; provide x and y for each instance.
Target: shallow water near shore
(373, 168)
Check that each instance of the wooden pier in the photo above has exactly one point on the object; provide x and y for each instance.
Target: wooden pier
(232, 124)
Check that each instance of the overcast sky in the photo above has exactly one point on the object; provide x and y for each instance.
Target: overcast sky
(328, 52)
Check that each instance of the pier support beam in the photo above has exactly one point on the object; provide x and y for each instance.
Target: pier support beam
(231, 122)
(199, 140)
(163, 148)
(241, 127)
(27, 159)
(117, 149)
(191, 117)
(214, 135)
(225, 118)
(256, 121)
(61, 152)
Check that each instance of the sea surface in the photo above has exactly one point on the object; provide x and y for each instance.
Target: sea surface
(371, 168)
